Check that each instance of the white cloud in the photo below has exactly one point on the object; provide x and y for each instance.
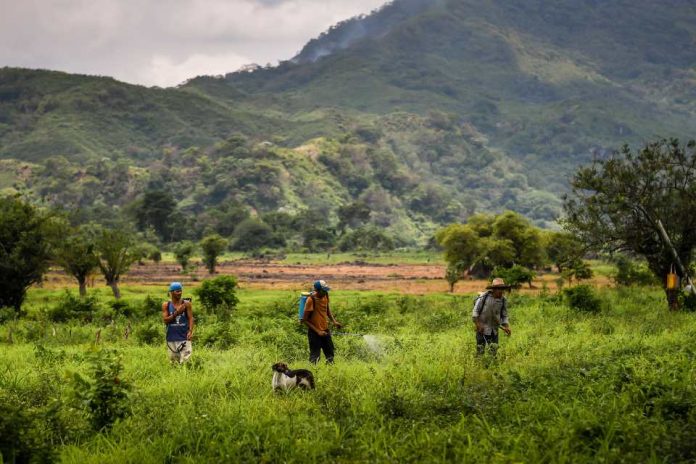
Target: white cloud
(162, 42)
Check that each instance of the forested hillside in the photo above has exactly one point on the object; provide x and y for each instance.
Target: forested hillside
(416, 115)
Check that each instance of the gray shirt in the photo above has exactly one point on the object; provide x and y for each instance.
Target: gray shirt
(493, 314)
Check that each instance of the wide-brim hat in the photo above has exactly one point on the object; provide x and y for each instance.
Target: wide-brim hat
(498, 283)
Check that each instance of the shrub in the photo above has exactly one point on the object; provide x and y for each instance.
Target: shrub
(151, 306)
(104, 395)
(122, 308)
(583, 298)
(23, 431)
(71, 307)
(218, 293)
(630, 272)
(149, 334)
(514, 276)
(219, 336)
(7, 314)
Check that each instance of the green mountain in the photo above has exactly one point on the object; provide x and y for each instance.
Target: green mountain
(425, 111)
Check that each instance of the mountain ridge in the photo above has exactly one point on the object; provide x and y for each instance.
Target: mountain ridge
(427, 111)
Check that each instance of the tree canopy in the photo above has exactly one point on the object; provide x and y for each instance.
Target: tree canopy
(618, 204)
(26, 234)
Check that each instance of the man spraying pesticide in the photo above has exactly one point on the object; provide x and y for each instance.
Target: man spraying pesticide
(489, 313)
(315, 314)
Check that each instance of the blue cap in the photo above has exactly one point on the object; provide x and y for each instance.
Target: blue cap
(174, 286)
(321, 285)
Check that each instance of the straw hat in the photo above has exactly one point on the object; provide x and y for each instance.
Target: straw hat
(498, 283)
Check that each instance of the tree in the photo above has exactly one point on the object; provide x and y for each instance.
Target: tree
(524, 238)
(461, 244)
(252, 234)
(183, 252)
(563, 249)
(620, 204)
(117, 251)
(353, 215)
(453, 274)
(26, 234)
(156, 209)
(212, 246)
(76, 254)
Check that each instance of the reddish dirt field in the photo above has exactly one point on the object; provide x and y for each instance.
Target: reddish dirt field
(401, 278)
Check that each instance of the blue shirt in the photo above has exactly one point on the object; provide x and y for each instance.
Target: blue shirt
(179, 327)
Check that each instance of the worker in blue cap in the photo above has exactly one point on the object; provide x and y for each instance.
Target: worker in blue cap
(177, 313)
(316, 317)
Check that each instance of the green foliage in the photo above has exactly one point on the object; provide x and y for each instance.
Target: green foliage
(629, 272)
(117, 250)
(151, 334)
(515, 275)
(25, 430)
(617, 203)
(104, 395)
(461, 244)
(25, 234)
(583, 298)
(157, 209)
(366, 238)
(252, 234)
(218, 295)
(70, 307)
(183, 252)
(76, 254)
(546, 396)
(563, 249)
(212, 247)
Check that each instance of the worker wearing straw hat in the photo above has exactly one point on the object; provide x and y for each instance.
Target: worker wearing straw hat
(489, 314)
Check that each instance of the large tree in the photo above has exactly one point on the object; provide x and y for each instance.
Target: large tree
(26, 234)
(639, 202)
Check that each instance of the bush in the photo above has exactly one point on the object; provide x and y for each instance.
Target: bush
(72, 307)
(122, 308)
(151, 306)
(151, 334)
(24, 431)
(7, 314)
(630, 272)
(105, 395)
(583, 298)
(218, 294)
(219, 336)
(514, 276)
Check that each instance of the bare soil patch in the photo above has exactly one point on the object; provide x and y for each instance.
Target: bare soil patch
(400, 278)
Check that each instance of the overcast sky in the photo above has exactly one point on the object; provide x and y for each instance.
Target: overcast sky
(162, 42)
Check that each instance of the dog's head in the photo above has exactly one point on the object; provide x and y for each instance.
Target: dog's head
(279, 367)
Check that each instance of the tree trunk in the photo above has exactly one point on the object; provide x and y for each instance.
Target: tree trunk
(451, 285)
(115, 289)
(83, 287)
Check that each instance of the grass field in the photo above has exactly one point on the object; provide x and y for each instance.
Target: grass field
(617, 386)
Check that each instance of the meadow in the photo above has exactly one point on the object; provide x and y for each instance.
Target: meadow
(567, 386)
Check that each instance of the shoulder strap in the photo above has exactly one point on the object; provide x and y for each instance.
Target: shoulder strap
(483, 301)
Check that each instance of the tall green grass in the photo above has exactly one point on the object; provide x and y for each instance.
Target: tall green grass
(617, 386)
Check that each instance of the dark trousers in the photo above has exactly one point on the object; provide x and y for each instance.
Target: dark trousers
(486, 340)
(317, 344)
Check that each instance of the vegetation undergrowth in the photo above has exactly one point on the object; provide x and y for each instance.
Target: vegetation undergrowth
(616, 385)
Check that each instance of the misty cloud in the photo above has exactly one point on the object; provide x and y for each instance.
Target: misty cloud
(153, 42)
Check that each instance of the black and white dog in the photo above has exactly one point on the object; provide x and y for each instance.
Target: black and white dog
(286, 379)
